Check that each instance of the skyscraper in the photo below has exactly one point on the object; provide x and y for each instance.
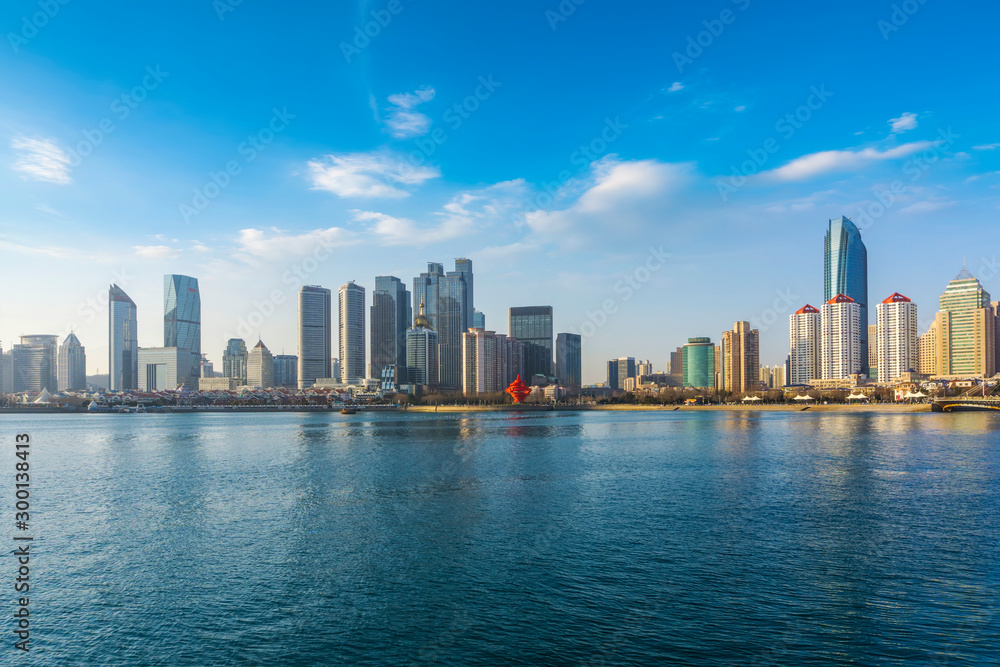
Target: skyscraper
(447, 299)
(351, 308)
(182, 319)
(619, 370)
(699, 363)
(897, 342)
(841, 338)
(805, 343)
(315, 335)
(422, 362)
(6, 372)
(260, 367)
(846, 272)
(872, 362)
(483, 362)
(165, 368)
(478, 320)
(286, 367)
(34, 362)
(740, 357)
(569, 360)
(72, 362)
(234, 361)
(391, 314)
(123, 341)
(532, 325)
(965, 330)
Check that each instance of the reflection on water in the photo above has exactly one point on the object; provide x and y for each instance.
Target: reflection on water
(507, 538)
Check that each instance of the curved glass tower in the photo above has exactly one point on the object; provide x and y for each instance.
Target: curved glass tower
(123, 344)
(845, 272)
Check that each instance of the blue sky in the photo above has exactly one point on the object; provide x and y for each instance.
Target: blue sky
(565, 149)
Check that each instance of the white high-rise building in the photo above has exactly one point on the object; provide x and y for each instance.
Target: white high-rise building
(490, 361)
(841, 338)
(260, 367)
(72, 365)
(315, 334)
(898, 340)
(804, 335)
(352, 332)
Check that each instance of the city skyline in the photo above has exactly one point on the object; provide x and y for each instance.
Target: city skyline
(688, 167)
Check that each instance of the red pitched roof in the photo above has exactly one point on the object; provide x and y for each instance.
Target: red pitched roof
(807, 309)
(841, 298)
(897, 298)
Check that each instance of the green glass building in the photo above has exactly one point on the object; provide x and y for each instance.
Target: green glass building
(699, 363)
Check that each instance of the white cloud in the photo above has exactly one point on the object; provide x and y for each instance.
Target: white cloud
(368, 175)
(741, 107)
(463, 215)
(823, 162)
(155, 251)
(41, 160)
(677, 85)
(908, 121)
(927, 206)
(619, 196)
(198, 246)
(403, 120)
(255, 245)
(986, 147)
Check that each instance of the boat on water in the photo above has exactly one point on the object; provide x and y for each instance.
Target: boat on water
(349, 411)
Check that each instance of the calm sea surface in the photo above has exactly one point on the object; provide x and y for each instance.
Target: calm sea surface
(554, 539)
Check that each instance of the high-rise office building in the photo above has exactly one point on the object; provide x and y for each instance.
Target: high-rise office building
(182, 318)
(315, 335)
(260, 367)
(846, 272)
(6, 372)
(123, 341)
(740, 358)
(164, 369)
(927, 353)
(897, 342)
(72, 362)
(464, 266)
(965, 330)
(351, 308)
(805, 340)
(207, 367)
(677, 365)
(234, 361)
(619, 370)
(532, 325)
(841, 338)
(478, 320)
(390, 318)
(35, 364)
(446, 299)
(699, 363)
(422, 364)
(569, 360)
(644, 367)
(286, 371)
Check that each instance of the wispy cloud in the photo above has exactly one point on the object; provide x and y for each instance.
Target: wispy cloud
(676, 86)
(367, 175)
(155, 251)
(257, 245)
(908, 121)
(403, 121)
(41, 160)
(814, 164)
(986, 147)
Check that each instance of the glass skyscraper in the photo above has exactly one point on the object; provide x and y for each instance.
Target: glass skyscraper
(123, 341)
(351, 309)
(390, 318)
(182, 318)
(72, 363)
(532, 325)
(234, 361)
(845, 271)
(699, 363)
(569, 359)
(35, 364)
(447, 306)
(315, 335)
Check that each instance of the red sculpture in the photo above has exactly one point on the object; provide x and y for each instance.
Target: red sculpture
(518, 390)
